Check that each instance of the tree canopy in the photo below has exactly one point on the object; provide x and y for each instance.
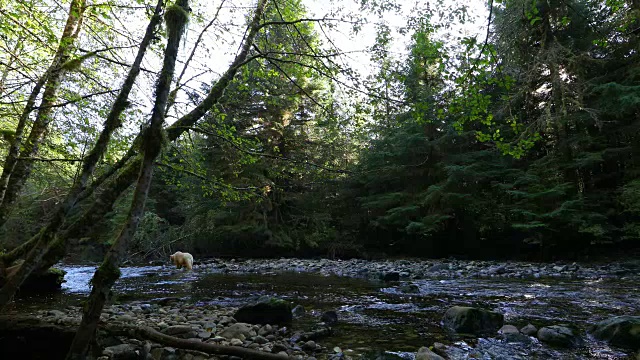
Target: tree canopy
(521, 140)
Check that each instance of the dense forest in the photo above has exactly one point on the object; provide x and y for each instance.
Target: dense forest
(522, 141)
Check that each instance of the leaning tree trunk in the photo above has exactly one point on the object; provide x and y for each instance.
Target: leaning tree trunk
(45, 241)
(176, 18)
(115, 186)
(16, 171)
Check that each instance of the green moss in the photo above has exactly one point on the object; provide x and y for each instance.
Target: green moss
(57, 271)
(176, 16)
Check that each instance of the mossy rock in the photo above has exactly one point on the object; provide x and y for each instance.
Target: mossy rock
(49, 281)
(622, 331)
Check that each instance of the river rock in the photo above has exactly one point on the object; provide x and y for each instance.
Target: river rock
(511, 334)
(329, 317)
(298, 311)
(56, 313)
(204, 334)
(425, 354)
(265, 311)
(122, 352)
(529, 330)
(623, 331)
(463, 319)
(391, 276)
(177, 329)
(558, 335)
(238, 331)
(265, 330)
(164, 353)
(508, 329)
(410, 289)
(439, 267)
(309, 345)
(261, 340)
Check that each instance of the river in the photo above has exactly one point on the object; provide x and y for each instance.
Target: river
(377, 316)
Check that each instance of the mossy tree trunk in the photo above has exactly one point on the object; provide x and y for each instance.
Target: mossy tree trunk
(46, 242)
(15, 170)
(176, 18)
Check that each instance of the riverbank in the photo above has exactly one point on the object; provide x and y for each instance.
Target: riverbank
(394, 306)
(423, 269)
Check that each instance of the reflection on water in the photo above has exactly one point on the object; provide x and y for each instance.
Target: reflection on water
(375, 315)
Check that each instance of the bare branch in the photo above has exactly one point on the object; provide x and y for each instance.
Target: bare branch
(49, 160)
(297, 21)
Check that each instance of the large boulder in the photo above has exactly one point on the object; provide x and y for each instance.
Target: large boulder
(463, 319)
(623, 331)
(558, 335)
(266, 311)
(50, 280)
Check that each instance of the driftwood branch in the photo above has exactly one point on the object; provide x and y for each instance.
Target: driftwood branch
(147, 333)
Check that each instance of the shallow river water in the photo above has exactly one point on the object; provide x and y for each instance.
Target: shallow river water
(379, 316)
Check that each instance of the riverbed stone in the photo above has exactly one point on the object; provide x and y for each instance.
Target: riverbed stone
(266, 311)
(309, 345)
(265, 330)
(410, 289)
(298, 311)
(177, 329)
(238, 331)
(329, 317)
(391, 276)
(122, 352)
(209, 326)
(463, 319)
(511, 334)
(260, 340)
(508, 329)
(204, 334)
(558, 335)
(425, 354)
(622, 331)
(529, 330)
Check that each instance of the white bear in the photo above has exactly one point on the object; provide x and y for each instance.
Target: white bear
(181, 259)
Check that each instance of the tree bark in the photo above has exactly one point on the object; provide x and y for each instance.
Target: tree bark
(16, 171)
(45, 242)
(176, 18)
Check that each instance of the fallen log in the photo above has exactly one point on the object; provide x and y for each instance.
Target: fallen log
(20, 333)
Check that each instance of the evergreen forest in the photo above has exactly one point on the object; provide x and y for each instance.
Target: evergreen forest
(233, 128)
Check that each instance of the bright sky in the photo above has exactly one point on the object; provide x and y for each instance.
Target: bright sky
(221, 41)
(341, 35)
